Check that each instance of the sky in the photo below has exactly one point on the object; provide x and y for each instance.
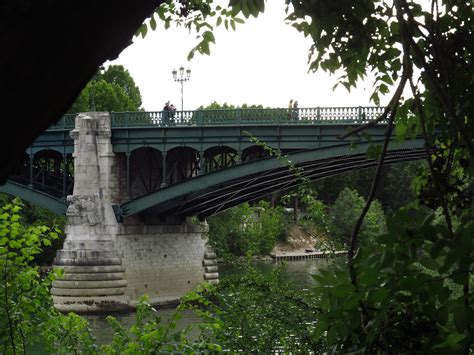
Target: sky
(263, 62)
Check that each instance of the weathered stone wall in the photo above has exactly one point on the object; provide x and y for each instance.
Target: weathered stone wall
(162, 261)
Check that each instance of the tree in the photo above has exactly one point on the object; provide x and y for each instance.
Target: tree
(225, 106)
(343, 215)
(114, 90)
(117, 74)
(216, 106)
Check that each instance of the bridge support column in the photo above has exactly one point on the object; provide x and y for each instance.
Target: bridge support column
(109, 265)
(93, 277)
(165, 261)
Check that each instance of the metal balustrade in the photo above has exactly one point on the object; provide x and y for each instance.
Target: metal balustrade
(314, 115)
(68, 121)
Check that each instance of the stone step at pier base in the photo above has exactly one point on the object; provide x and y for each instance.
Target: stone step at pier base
(209, 263)
(92, 281)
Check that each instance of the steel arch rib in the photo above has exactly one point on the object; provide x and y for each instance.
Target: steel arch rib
(206, 206)
(36, 197)
(169, 198)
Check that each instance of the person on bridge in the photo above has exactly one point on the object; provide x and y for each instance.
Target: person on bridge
(295, 111)
(172, 113)
(290, 108)
(165, 118)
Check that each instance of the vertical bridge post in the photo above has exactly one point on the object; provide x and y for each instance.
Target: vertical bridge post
(93, 277)
(108, 265)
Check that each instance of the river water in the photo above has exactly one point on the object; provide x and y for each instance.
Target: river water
(298, 272)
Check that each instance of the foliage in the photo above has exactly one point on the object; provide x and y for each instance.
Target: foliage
(344, 214)
(37, 216)
(225, 229)
(317, 213)
(67, 334)
(225, 106)
(117, 74)
(149, 335)
(269, 226)
(243, 230)
(24, 296)
(29, 321)
(394, 193)
(113, 90)
(427, 48)
(256, 313)
(196, 16)
(395, 295)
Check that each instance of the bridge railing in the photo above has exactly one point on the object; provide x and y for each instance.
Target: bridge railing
(68, 121)
(316, 115)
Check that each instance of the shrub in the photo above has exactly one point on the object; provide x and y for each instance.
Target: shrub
(345, 212)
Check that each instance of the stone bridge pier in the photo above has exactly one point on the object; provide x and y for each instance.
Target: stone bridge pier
(109, 265)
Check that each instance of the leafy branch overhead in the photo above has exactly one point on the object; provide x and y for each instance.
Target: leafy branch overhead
(201, 17)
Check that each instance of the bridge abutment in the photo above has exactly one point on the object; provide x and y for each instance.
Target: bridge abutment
(162, 261)
(109, 265)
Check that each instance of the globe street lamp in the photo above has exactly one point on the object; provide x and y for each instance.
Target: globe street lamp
(181, 80)
(92, 91)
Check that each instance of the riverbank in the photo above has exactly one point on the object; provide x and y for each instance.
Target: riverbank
(300, 245)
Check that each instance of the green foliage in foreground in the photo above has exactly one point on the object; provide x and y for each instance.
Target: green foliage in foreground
(406, 281)
(150, 335)
(39, 216)
(28, 319)
(255, 313)
(408, 297)
(24, 297)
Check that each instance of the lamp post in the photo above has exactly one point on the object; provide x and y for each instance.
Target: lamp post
(181, 80)
(95, 77)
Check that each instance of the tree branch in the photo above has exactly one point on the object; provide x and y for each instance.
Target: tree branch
(393, 102)
(421, 115)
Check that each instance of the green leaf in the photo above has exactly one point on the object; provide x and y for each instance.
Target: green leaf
(245, 8)
(460, 317)
(430, 263)
(374, 151)
(342, 290)
(443, 315)
(252, 8)
(153, 23)
(208, 36)
(144, 30)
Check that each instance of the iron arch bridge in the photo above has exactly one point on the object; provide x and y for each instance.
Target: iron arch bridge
(197, 163)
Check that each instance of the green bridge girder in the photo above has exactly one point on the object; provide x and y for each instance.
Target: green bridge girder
(36, 197)
(259, 178)
(311, 137)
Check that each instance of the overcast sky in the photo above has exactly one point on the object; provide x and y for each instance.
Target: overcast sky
(263, 62)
